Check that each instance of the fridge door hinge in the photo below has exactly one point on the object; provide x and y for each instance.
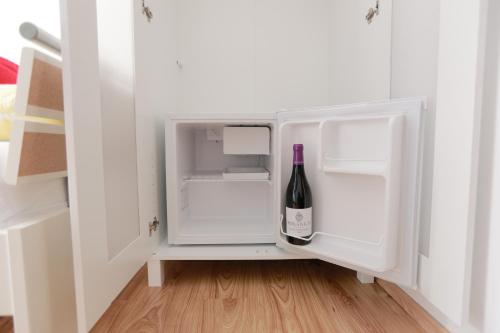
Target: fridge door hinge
(153, 226)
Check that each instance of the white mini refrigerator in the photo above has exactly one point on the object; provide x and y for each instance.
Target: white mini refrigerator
(226, 177)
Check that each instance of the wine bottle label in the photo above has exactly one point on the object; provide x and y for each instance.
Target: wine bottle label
(299, 222)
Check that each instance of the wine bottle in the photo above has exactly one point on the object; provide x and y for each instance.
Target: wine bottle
(298, 204)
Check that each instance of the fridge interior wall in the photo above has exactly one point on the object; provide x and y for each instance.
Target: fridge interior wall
(211, 209)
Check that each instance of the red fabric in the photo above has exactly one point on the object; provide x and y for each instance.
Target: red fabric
(8, 71)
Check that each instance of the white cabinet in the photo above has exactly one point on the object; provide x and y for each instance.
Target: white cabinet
(219, 64)
(363, 165)
(255, 56)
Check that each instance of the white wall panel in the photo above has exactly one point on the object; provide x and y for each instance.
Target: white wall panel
(263, 56)
(217, 51)
(292, 53)
(360, 52)
(414, 73)
(445, 279)
(485, 295)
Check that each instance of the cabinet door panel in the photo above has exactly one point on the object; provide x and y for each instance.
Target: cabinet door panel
(110, 235)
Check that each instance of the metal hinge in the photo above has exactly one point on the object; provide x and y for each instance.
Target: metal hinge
(146, 11)
(372, 12)
(153, 226)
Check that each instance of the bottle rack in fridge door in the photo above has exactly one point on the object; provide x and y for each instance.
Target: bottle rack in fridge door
(362, 163)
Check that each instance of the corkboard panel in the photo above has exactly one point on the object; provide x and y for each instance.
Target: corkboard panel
(46, 89)
(42, 153)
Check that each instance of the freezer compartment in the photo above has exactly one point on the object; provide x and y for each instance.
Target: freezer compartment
(218, 198)
(246, 140)
(201, 150)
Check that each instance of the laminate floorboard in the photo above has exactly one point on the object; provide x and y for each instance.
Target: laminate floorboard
(6, 325)
(255, 296)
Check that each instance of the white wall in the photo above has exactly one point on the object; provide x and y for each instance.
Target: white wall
(485, 296)
(266, 55)
(44, 13)
(360, 53)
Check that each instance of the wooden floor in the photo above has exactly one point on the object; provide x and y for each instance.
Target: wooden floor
(263, 296)
(6, 325)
